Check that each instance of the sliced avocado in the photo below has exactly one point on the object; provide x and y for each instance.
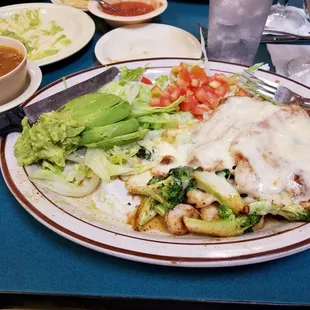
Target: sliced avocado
(221, 189)
(106, 117)
(109, 131)
(90, 103)
(120, 140)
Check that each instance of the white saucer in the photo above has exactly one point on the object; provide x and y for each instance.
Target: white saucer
(60, 2)
(146, 41)
(34, 80)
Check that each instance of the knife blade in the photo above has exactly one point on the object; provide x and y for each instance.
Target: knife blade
(57, 100)
(11, 120)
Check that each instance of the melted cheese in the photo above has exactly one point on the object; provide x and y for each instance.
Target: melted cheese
(273, 143)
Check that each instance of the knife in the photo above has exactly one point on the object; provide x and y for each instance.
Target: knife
(11, 120)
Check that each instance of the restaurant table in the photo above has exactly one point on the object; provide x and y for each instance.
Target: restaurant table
(34, 259)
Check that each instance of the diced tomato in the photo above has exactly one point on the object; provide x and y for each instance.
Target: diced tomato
(199, 74)
(175, 95)
(198, 110)
(183, 65)
(222, 90)
(166, 94)
(175, 70)
(206, 94)
(184, 75)
(155, 102)
(242, 92)
(189, 103)
(165, 102)
(146, 81)
(221, 77)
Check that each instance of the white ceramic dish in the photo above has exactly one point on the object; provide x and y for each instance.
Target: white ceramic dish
(146, 41)
(117, 21)
(85, 9)
(34, 79)
(75, 220)
(77, 27)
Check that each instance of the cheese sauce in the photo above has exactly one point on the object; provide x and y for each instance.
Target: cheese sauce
(269, 144)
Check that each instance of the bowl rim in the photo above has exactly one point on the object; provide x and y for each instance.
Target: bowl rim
(94, 9)
(22, 63)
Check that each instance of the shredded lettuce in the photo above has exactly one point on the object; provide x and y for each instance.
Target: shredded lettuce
(79, 181)
(166, 120)
(128, 75)
(162, 81)
(98, 161)
(40, 40)
(130, 92)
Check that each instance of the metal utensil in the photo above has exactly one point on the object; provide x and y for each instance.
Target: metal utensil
(274, 37)
(276, 92)
(11, 121)
(107, 4)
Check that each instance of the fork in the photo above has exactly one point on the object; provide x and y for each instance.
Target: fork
(270, 90)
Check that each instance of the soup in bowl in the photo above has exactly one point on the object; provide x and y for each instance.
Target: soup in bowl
(13, 69)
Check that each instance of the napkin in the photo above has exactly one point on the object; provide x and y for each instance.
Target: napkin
(287, 27)
(282, 54)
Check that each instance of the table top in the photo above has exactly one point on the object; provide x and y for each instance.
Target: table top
(35, 259)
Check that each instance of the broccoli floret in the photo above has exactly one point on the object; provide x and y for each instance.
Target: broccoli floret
(185, 175)
(145, 212)
(144, 153)
(292, 212)
(227, 226)
(155, 180)
(168, 191)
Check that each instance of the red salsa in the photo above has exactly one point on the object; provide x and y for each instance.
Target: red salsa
(128, 8)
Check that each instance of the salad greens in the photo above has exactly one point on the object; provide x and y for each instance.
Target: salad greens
(41, 40)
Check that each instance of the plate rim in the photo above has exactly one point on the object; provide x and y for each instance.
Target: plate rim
(60, 3)
(104, 36)
(55, 58)
(35, 75)
(141, 256)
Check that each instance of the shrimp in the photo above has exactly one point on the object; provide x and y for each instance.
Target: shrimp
(209, 213)
(199, 198)
(174, 218)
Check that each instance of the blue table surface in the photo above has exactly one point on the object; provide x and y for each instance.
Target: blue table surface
(35, 259)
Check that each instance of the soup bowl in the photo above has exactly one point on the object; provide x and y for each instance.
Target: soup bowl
(117, 21)
(13, 83)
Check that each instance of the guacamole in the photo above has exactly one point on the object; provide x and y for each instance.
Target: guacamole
(53, 137)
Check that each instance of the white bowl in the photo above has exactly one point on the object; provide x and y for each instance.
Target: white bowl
(118, 21)
(13, 83)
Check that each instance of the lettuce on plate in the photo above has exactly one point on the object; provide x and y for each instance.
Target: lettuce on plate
(77, 181)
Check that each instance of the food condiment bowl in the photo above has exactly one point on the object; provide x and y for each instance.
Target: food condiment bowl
(117, 21)
(13, 83)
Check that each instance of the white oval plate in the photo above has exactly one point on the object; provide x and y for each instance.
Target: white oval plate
(77, 26)
(146, 41)
(75, 220)
(61, 2)
(34, 79)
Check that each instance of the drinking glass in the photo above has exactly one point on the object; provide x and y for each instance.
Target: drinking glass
(235, 29)
(281, 17)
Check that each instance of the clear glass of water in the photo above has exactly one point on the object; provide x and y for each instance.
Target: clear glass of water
(235, 29)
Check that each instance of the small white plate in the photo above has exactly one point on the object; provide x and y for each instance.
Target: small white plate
(62, 3)
(146, 41)
(34, 79)
(76, 25)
